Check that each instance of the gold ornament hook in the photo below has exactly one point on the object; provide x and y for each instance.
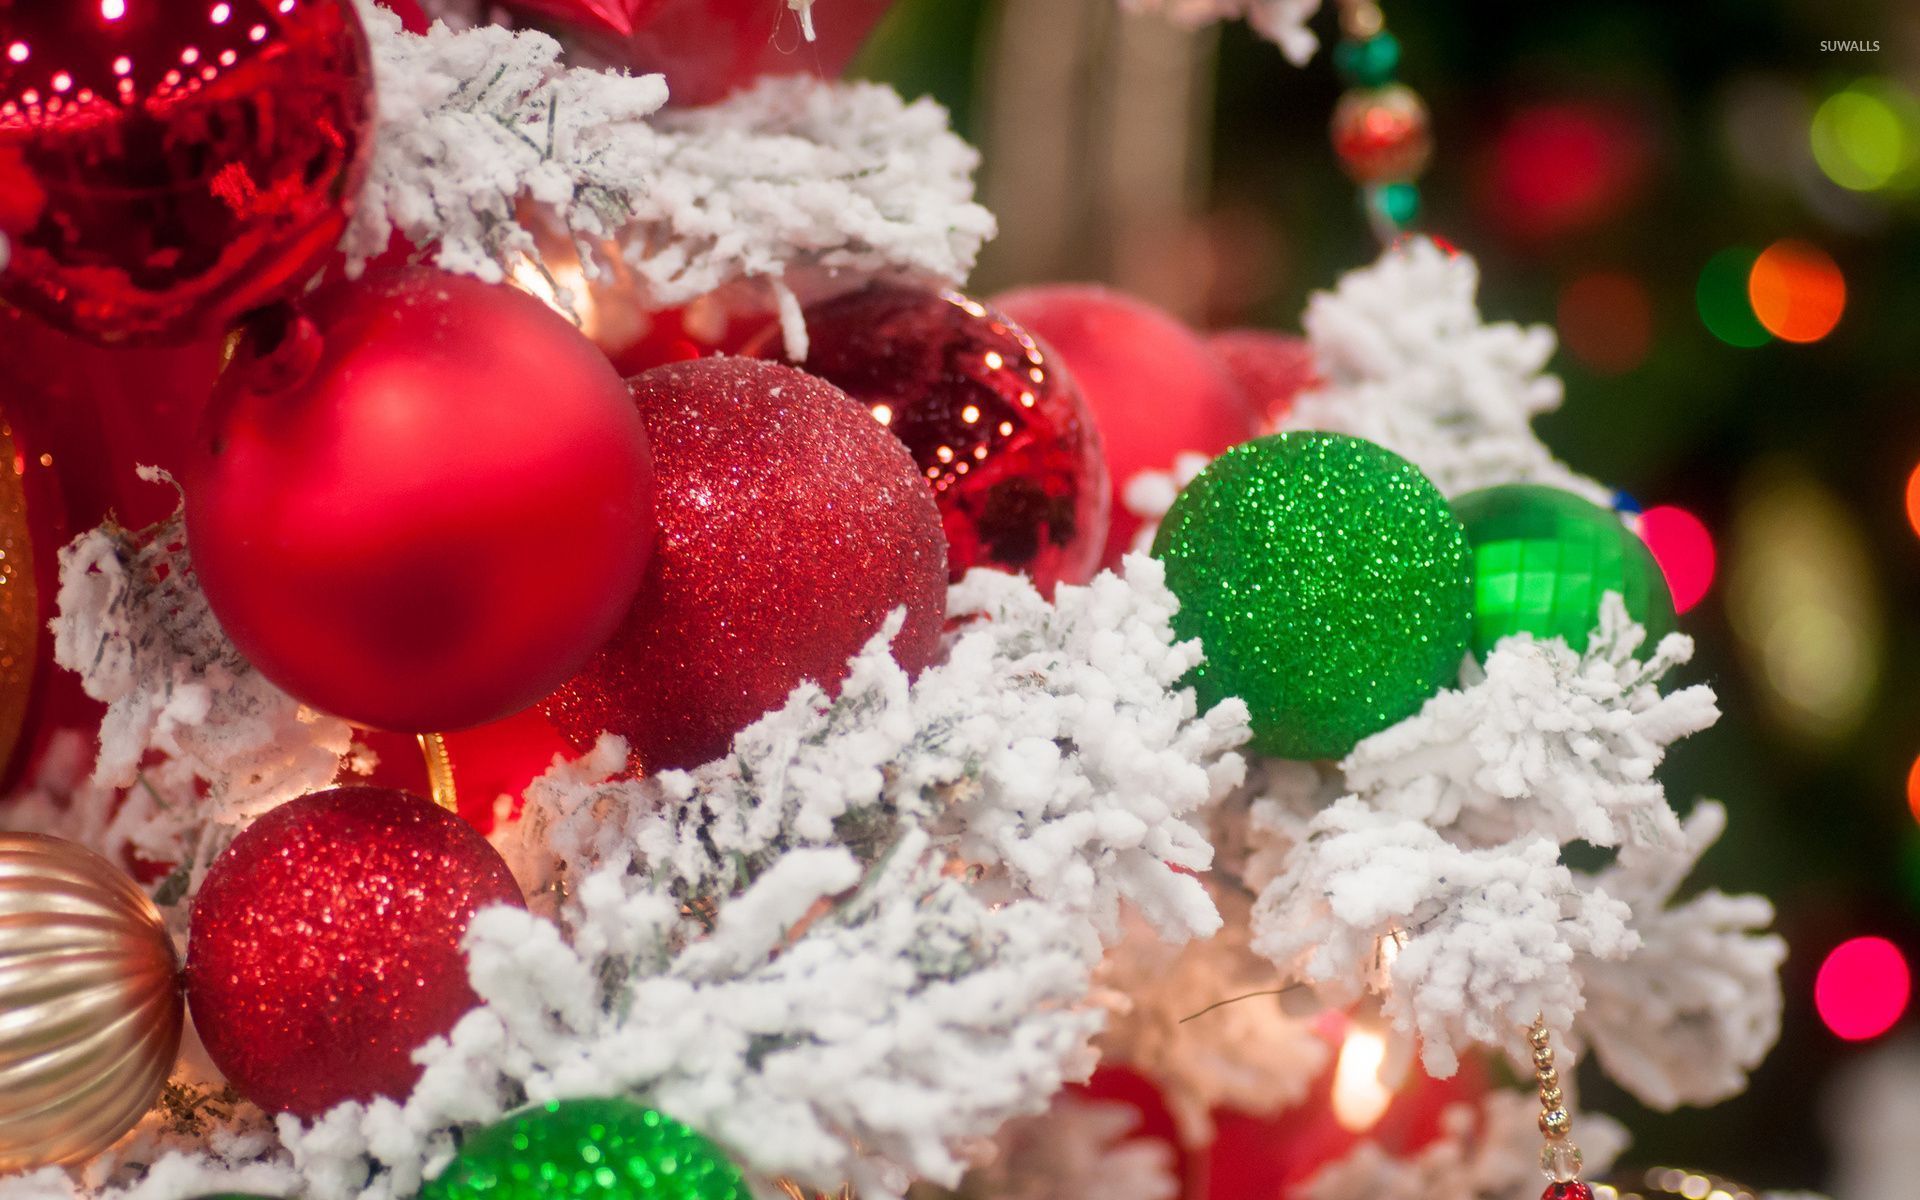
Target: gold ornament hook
(439, 771)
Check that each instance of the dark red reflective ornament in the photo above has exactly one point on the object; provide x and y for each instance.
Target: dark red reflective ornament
(1572, 1189)
(707, 48)
(170, 164)
(993, 421)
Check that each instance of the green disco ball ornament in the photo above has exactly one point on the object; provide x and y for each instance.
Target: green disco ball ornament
(1327, 582)
(588, 1150)
(1543, 558)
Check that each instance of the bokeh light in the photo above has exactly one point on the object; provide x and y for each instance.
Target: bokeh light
(1797, 291)
(1721, 297)
(1803, 596)
(1862, 988)
(1683, 547)
(1605, 320)
(1866, 137)
(1913, 499)
(1913, 789)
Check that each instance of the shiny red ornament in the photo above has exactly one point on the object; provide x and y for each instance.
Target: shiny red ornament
(1382, 134)
(325, 945)
(997, 427)
(421, 502)
(791, 525)
(708, 48)
(499, 758)
(1270, 368)
(1571, 1189)
(1154, 387)
(170, 164)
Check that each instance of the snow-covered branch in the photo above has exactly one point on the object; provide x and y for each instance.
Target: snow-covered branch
(1282, 22)
(791, 176)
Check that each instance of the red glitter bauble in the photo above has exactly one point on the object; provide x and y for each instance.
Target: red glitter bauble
(1271, 369)
(791, 525)
(325, 945)
(707, 48)
(998, 429)
(422, 502)
(170, 164)
(1572, 1189)
(1154, 387)
(1382, 134)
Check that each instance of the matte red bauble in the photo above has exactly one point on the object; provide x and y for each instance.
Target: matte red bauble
(791, 525)
(420, 503)
(1270, 369)
(996, 426)
(707, 48)
(1154, 387)
(167, 164)
(325, 945)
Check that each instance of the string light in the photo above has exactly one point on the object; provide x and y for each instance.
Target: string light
(1862, 988)
(1797, 291)
(1360, 1099)
(1865, 137)
(1721, 298)
(1683, 547)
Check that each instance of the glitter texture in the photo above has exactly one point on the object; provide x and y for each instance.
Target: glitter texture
(1327, 582)
(325, 945)
(588, 1150)
(1542, 560)
(997, 427)
(791, 524)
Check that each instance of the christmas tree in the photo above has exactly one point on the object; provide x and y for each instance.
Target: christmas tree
(869, 740)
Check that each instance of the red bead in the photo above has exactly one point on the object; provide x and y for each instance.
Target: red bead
(422, 502)
(170, 164)
(1271, 369)
(1153, 386)
(325, 945)
(1570, 1190)
(998, 429)
(1381, 134)
(791, 525)
(707, 48)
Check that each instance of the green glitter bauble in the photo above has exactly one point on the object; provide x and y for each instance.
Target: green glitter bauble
(1327, 582)
(588, 1150)
(1542, 558)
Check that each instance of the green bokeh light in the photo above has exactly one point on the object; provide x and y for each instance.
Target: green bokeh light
(1867, 137)
(1721, 297)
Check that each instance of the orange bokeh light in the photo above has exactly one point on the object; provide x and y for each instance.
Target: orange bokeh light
(1606, 321)
(1797, 291)
(1913, 789)
(1913, 499)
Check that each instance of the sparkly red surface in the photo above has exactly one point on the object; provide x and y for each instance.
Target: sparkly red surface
(707, 48)
(325, 945)
(1572, 1190)
(997, 427)
(425, 505)
(1154, 387)
(172, 166)
(1270, 369)
(791, 524)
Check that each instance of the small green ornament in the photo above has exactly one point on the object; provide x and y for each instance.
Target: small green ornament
(1395, 203)
(1327, 582)
(1370, 62)
(1542, 559)
(588, 1150)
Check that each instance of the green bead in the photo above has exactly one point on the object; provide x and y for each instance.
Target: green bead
(1398, 203)
(1327, 582)
(1368, 63)
(588, 1150)
(1543, 558)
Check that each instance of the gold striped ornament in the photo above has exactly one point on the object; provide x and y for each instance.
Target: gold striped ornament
(90, 1002)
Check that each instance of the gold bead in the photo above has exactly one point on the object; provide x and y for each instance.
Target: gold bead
(1550, 1097)
(1543, 1059)
(1540, 1037)
(90, 998)
(1555, 1123)
(1549, 1078)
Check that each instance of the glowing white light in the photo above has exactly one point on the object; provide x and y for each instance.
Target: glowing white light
(1359, 1098)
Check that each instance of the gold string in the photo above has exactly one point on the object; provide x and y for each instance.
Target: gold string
(439, 771)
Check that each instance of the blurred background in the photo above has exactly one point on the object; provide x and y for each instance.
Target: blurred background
(1722, 219)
